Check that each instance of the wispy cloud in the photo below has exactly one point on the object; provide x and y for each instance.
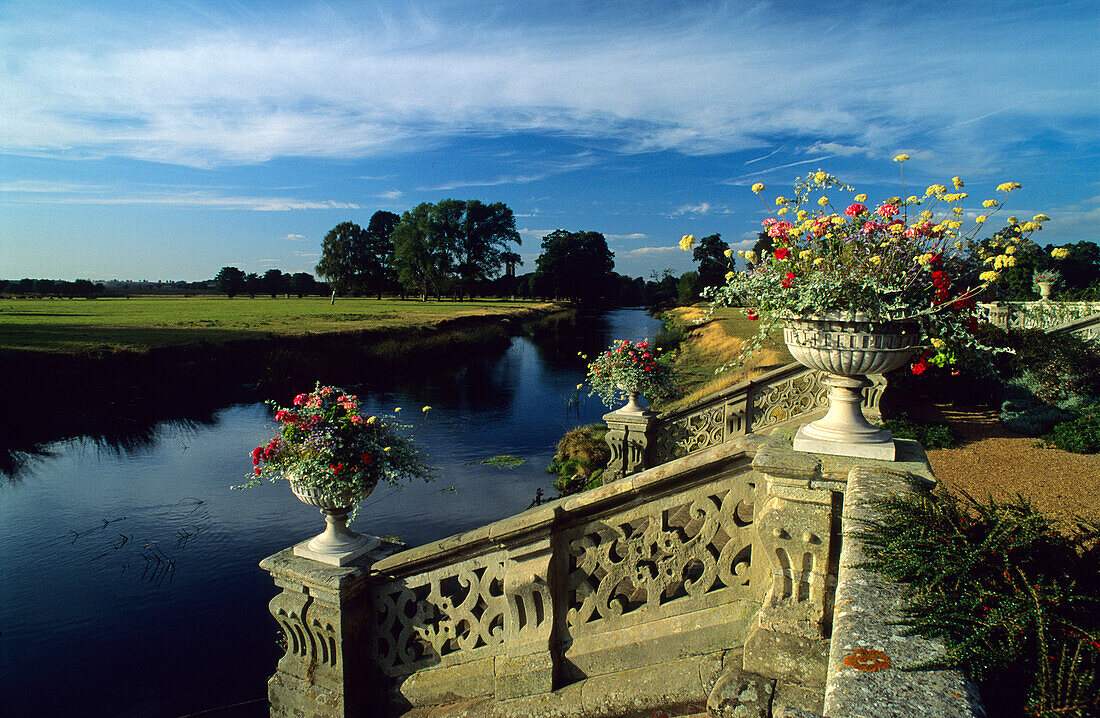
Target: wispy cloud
(296, 237)
(623, 237)
(220, 87)
(653, 251)
(701, 208)
(62, 193)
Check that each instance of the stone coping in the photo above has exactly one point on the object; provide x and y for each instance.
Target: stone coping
(540, 521)
(868, 655)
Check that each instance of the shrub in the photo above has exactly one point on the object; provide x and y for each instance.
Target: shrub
(1080, 435)
(930, 436)
(1015, 602)
(582, 456)
(1061, 366)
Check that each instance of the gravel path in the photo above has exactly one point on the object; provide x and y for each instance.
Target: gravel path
(994, 461)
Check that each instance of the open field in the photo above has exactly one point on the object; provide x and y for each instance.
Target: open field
(138, 324)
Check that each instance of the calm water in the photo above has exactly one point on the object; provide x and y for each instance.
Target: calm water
(129, 583)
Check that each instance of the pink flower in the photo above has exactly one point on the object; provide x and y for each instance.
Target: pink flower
(300, 399)
(779, 229)
(870, 226)
(356, 419)
(854, 210)
(887, 210)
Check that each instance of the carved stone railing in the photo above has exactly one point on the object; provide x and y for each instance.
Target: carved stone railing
(1042, 314)
(709, 583)
(760, 404)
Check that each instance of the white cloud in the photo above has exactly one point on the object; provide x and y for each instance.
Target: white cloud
(622, 237)
(350, 81)
(60, 193)
(701, 208)
(391, 194)
(296, 237)
(653, 251)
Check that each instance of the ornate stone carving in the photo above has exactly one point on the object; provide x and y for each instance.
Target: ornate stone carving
(628, 439)
(780, 402)
(661, 556)
(422, 619)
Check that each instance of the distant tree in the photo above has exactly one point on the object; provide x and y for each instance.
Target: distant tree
(688, 288)
(229, 280)
(344, 258)
(483, 240)
(379, 273)
(511, 260)
(274, 282)
(252, 284)
(302, 283)
(713, 263)
(577, 265)
(764, 243)
(421, 251)
(45, 287)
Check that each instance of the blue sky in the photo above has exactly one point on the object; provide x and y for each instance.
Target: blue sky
(167, 140)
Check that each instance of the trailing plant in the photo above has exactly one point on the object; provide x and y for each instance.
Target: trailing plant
(628, 367)
(581, 459)
(1016, 603)
(326, 443)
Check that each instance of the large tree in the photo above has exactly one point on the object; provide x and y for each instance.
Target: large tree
(229, 280)
(344, 258)
(483, 241)
(576, 265)
(713, 263)
(421, 251)
(274, 282)
(379, 274)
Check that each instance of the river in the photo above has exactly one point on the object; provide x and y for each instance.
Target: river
(129, 583)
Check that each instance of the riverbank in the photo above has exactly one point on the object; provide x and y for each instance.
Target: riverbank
(114, 394)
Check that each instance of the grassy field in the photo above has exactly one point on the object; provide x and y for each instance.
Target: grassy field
(710, 344)
(137, 324)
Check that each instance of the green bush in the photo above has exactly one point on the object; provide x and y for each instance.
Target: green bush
(1016, 603)
(930, 436)
(1061, 366)
(582, 456)
(1080, 435)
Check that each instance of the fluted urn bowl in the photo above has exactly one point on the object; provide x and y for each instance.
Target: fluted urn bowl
(337, 545)
(848, 348)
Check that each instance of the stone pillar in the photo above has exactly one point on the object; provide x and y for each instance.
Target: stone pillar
(527, 665)
(323, 611)
(797, 528)
(628, 437)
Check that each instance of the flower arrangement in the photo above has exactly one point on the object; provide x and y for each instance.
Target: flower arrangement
(1045, 275)
(325, 443)
(629, 367)
(897, 259)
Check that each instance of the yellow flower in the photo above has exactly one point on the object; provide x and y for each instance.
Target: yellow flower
(1008, 187)
(936, 189)
(729, 276)
(823, 201)
(782, 210)
(579, 386)
(397, 410)
(1010, 261)
(988, 276)
(805, 254)
(1012, 220)
(819, 261)
(820, 177)
(926, 214)
(989, 260)
(1031, 226)
(958, 245)
(386, 449)
(861, 198)
(426, 409)
(893, 200)
(936, 341)
(980, 219)
(875, 259)
(780, 201)
(837, 221)
(687, 242)
(741, 253)
(372, 419)
(957, 182)
(794, 232)
(728, 253)
(1059, 252)
(901, 158)
(952, 224)
(1040, 218)
(1010, 250)
(750, 256)
(758, 188)
(990, 203)
(912, 199)
(802, 215)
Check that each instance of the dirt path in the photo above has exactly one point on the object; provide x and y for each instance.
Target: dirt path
(994, 461)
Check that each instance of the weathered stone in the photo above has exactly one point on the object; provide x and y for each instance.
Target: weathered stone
(737, 694)
(797, 701)
(628, 439)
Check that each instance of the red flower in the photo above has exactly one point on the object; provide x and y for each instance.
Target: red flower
(788, 280)
(300, 399)
(854, 210)
(940, 279)
(336, 468)
(257, 470)
(367, 459)
(887, 210)
(752, 316)
(782, 253)
(918, 368)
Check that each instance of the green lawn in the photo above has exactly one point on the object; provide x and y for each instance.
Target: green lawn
(137, 324)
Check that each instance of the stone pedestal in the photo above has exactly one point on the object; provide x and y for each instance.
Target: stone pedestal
(628, 437)
(322, 611)
(796, 531)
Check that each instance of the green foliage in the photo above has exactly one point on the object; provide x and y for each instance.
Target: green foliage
(229, 281)
(1062, 366)
(575, 265)
(1016, 603)
(1080, 435)
(581, 459)
(628, 367)
(504, 461)
(930, 436)
(669, 336)
(713, 264)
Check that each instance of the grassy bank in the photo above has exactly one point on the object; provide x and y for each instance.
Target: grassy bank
(71, 326)
(711, 343)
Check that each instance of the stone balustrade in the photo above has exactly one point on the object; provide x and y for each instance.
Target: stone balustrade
(758, 405)
(1042, 314)
(707, 583)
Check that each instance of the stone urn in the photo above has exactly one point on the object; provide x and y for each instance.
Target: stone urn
(1044, 290)
(632, 393)
(848, 348)
(337, 545)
